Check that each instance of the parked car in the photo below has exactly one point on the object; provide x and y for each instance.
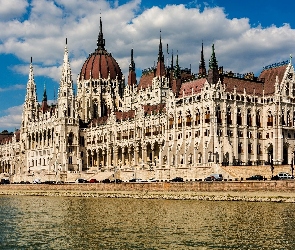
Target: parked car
(214, 177)
(5, 181)
(116, 181)
(92, 181)
(177, 179)
(106, 181)
(283, 175)
(81, 181)
(208, 178)
(275, 178)
(256, 177)
(37, 181)
(217, 177)
(152, 180)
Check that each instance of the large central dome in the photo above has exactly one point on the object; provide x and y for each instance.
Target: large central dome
(100, 64)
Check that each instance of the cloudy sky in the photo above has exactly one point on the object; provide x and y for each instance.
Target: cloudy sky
(248, 35)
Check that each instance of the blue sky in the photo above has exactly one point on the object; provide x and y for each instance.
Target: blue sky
(247, 36)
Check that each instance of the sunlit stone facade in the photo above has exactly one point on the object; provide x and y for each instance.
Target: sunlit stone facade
(171, 119)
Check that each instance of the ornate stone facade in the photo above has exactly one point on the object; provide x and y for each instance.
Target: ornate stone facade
(171, 119)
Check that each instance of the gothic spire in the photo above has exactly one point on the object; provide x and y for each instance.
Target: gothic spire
(31, 86)
(177, 72)
(213, 72)
(100, 39)
(202, 65)
(132, 64)
(44, 95)
(160, 55)
(66, 74)
(132, 74)
(213, 62)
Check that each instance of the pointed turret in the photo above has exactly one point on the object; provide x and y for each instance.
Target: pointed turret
(31, 103)
(65, 91)
(202, 65)
(177, 72)
(44, 99)
(132, 74)
(44, 105)
(213, 72)
(160, 64)
(100, 39)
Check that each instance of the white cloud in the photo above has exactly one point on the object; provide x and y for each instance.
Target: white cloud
(10, 9)
(12, 119)
(13, 87)
(239, 47)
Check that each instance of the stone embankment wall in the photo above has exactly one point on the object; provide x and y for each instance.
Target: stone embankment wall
(275, 191)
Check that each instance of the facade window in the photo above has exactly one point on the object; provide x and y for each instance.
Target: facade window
(240, 148)
(249, 148)
(171, 122)
(269, 119)
(228, 116)
(239, 117)
(258, 121)
(70, 160)
(207, 115)
(249, 118)
(197, 121)
(180, 121)
(218, 115)
(188, 120)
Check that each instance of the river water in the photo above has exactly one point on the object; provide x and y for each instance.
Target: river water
(30, 222)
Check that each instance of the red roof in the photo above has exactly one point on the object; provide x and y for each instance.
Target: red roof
(269, 76)
(5, 138)
(146, 80)
(125, 115)
(240, 84)
(149, 109)
(100, 64)
(192, 87)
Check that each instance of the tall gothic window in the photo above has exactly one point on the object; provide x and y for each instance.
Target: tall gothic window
(249, 118)
(218, 115)
(239, 117)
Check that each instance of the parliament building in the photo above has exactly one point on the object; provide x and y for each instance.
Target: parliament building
(172, 119)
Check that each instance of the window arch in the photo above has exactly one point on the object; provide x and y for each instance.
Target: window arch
(239, 117)
(207, 115)
(249, 118)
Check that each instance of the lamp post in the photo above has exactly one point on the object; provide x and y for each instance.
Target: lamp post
(271, 167)
(292, 166)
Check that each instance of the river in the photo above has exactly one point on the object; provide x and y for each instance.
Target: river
(31, 222)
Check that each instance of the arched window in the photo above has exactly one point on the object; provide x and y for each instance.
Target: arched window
(269, 119)
(197, 120)
(239, 117)
(258, 119)
(218, 115)
(249, 118)
(228, 116)
(171, 122)
(180, 121)
(207, 115)
(188, 120)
